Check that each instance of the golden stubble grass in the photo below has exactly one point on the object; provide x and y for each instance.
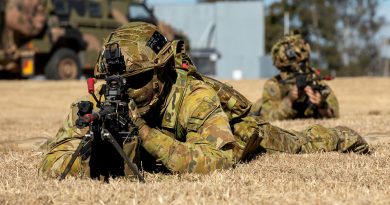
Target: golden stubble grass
(35, 109)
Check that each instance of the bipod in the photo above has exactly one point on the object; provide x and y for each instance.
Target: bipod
(86, 139)
(106, 135)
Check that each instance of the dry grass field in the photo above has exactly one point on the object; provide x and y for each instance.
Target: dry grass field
(35, 109)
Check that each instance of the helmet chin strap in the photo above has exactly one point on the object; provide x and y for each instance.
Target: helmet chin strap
(157, 90)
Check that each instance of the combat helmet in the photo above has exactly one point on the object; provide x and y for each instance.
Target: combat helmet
(138, 52)
(143, 48)
(291, 53)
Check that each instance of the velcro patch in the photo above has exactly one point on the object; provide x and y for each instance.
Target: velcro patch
(156, 42)
(201, 113)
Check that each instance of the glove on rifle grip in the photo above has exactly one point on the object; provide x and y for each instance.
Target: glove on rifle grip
(134, 115)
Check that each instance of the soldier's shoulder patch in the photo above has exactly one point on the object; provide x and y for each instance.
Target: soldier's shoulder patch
(202, 112)
(271, 89)
(206, 107)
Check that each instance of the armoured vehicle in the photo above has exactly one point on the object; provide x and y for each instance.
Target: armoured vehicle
(70, 37)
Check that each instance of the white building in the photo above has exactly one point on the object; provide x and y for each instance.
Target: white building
(231, 34)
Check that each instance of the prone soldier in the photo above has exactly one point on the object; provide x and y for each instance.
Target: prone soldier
(298, 91)
(187, 123)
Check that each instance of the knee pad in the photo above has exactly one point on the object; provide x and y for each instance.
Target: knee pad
(320, 139)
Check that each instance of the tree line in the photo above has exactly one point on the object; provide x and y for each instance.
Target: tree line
(341, 32)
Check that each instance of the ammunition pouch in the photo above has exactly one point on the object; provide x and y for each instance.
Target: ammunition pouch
(248, 130)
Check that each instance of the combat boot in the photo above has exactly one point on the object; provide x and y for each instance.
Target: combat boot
(350, 141)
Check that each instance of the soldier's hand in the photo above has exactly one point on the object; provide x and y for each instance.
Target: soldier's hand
(134, 114)
(136, 118)
(292, 96)
(314, 96)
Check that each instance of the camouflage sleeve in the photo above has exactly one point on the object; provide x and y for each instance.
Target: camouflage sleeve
(274, 107)
(62, 147)
(332, 105)
(65, 143)
(208, 139)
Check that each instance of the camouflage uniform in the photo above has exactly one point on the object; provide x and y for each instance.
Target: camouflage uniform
(199, 128)
(291, 56)
(272, 107)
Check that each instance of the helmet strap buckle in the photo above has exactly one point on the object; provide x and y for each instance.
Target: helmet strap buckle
(156, 86)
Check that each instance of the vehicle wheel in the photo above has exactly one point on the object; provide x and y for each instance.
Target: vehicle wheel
(63, 65)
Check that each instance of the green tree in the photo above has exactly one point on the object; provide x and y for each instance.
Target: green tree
(340, 32)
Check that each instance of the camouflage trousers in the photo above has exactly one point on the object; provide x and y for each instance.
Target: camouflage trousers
(254, 136)
(260, 136)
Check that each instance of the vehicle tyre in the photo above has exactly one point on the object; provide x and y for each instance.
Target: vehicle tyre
(63, 65)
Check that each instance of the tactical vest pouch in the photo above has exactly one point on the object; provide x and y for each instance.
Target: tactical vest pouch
(248, 131)
(234, 104)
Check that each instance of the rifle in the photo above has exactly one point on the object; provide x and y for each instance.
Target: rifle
(109, 127)
(310, 78)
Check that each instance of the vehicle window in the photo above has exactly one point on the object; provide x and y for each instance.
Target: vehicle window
(78, 5)
(138, 12)
(61, 7)
(94, 9)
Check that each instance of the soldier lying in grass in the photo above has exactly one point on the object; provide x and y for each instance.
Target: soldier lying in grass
(187, 123)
